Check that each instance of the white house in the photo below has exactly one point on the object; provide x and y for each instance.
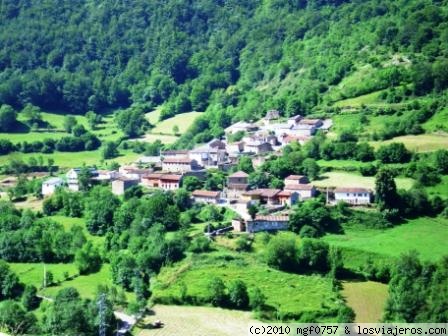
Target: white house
(49, 186)
(206, 196)
(72, 177)
(267, 223)
(179, 165)
(353, 196)
(305, 191)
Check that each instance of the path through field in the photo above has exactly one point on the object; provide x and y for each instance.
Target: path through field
(197, 321)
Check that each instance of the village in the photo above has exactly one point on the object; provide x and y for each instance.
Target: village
(255, 140)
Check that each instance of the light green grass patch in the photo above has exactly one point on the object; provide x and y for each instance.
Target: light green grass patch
(367, 99)
(33, 273)
(426, 235)
(367, 299)
(183, 121)
(154, 116)
(72, 159)
(342, 164)
(347, 180)
(418, 143)
(440, 189)
(164, 139)
(438, 122)
(288, 293)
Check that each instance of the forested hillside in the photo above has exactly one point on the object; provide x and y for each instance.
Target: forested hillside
(231, 58)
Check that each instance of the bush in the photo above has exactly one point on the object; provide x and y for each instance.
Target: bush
(200, 244)
(244, 243)
(281, 253)
(238, 297)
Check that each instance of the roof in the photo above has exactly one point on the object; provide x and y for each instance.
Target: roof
(299, 187)
(239, 174)
(295, 177)
(178, 160)
(53, 180)
(263, 192)
(284, 193)
(125, 179)
(310, 121)
(174, 152)
(298, 116)
(273, 218)
(205, 193)
(272, 114)
(352, 190)
(163, 176)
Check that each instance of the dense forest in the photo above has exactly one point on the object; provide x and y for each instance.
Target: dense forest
(232, 59)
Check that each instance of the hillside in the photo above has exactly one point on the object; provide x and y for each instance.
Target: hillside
(232, 59)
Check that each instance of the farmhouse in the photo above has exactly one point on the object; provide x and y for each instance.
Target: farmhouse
(106, 175)
(237, 183)
(162, 180)
(49, 186)
(287, 197)
(73, 176)
(205, 196)
(267, 223)
(296, 179)
(258, 147)
(179, 165)
(271, 115)
(235, 148)
(133, 172)
(353, 196)
(208, 155)
(265, 196)
(120, 185)
(287, 139)
(305, 191)
(174, 153)
(294, 120)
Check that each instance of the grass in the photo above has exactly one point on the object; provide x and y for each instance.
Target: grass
(426, 235)
(195, 321)
(72, 159)
(418, 143)
(183, 121)
(32, 273)
(367, 299)
(85, 284)
(154, 116)
(305, 294)
(438, 122)
(440, 189)
(367, 99)
(342, 164)
(344, 179)
(69, 222)
(165, 139)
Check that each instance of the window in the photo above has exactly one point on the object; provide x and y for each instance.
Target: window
(348, 194)
(359, 195)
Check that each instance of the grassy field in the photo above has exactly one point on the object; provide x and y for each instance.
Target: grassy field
(69, 222)
(183, 121)
(344, 179)
(367, 299)
(304, 293)
(342, 164)
(419, 143)
(154, 116)
(72, 159)
(368, 99)
(195, 321)
(165, 139)
(438, 122)
(426, 235)
(440, 189)
(32, 273)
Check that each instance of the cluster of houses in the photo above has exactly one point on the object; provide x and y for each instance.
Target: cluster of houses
(167, 171)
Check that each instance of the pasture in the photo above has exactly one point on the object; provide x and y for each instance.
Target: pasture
(69, 222)
(367, 99)
(344, 179)
(183, 121)
(33, 273)
(195, 321)
(418, 143)
(425, 235)
(310, 294)
(438, 122)
(367, 299)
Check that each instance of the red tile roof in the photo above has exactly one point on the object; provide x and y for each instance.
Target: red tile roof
(272, 218)
(205, 193)
(239, 174)
(178, 160)
(299, 186)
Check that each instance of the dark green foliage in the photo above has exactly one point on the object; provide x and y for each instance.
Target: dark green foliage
(88, 259)
(7, 118)
(315, 214)
(393, 153)
(16, 319)
(386, 190)
(191, 183)
(217, 293)
(29, 298)
(313, 256)
(10, 287)
(238, 296)
(100, 207)
(281, 253)
(110, 150)
(244, 243)
(200, 244)
(257, 299)
(131, 121)
(416, 291)
(123, 267)
(245, 164)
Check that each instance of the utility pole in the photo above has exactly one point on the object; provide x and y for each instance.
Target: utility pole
(102, 315)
